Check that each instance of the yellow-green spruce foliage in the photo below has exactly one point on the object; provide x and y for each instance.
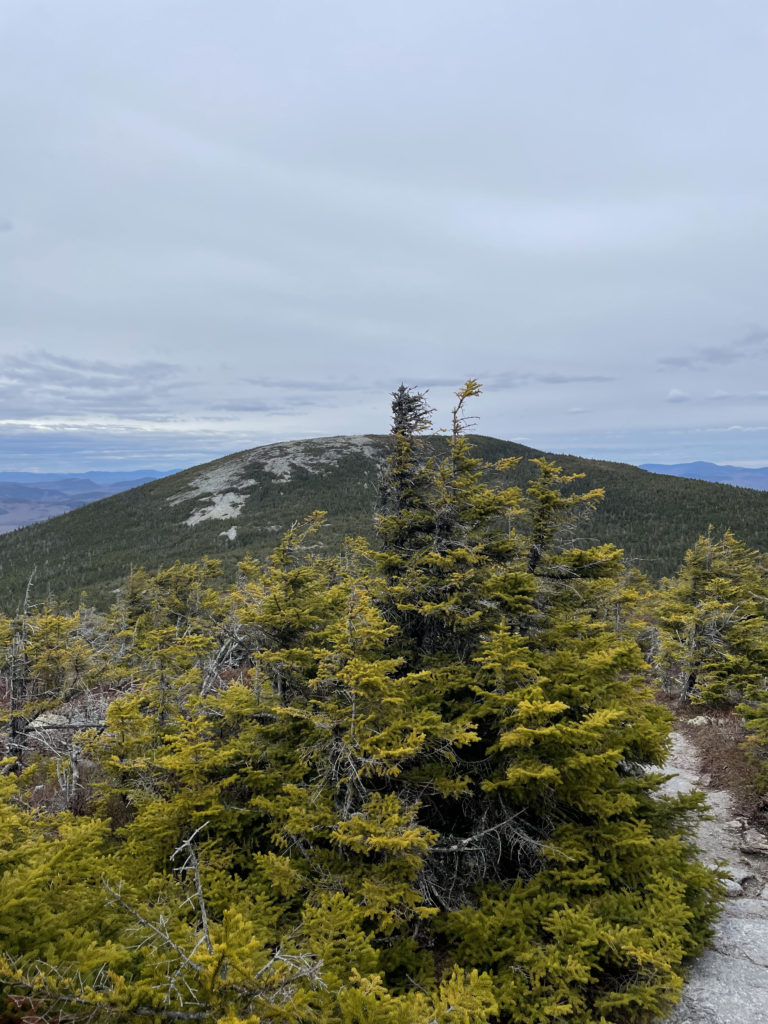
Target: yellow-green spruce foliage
(713, 635)
(711, 625)
(419, 792)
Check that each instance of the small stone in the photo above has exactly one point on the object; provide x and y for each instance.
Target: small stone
(750, 887)
(732, 888)
(736, 825)
(698, 720)
(753, 842)
(706, 780)
(48, 720)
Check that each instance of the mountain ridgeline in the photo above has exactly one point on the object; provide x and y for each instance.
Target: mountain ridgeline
(740, 476)
(243, 503)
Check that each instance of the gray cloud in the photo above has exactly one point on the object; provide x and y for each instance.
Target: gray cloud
(752, 345)
(734, 400)
(258, 225)
(59, 446)
(511, 381)
(576, 378)
(229, 407)
(676, 395)
(319, 385)
(45, 384)
(490, 382)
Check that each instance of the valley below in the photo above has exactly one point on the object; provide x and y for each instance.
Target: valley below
(27, 498)
(15, 514)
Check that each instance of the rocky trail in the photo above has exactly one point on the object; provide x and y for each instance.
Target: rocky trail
(728, 984)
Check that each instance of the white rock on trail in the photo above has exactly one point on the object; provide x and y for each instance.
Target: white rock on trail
(753, 842)
(728, 984)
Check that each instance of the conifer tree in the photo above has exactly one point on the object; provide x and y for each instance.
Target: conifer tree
(712, 621)
(713, 640)
(419, 792)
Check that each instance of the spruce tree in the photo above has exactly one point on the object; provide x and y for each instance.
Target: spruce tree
(713, 640)
(413, 784)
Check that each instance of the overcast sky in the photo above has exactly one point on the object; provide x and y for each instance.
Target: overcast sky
(227, 222)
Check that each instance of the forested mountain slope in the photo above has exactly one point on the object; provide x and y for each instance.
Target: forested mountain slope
(243, 502)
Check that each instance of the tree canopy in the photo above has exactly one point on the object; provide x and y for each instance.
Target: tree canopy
(416, 783)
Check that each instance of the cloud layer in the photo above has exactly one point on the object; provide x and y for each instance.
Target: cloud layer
(226, 226)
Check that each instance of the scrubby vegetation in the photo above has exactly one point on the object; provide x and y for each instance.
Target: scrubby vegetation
(416, 782)
(711, 629)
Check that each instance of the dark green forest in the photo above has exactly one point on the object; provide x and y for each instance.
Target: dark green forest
(411, 777)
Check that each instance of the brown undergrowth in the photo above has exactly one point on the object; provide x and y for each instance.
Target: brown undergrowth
(723, 761)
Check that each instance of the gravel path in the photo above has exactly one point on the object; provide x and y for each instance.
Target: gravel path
(728, 984)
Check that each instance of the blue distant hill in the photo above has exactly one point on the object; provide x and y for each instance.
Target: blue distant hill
(27, 498)
(739, 476)
(93, 475)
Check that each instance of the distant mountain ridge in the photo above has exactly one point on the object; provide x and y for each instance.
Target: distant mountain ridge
(739, 476)
(239, 505)
(105, 476)
(27, 498)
